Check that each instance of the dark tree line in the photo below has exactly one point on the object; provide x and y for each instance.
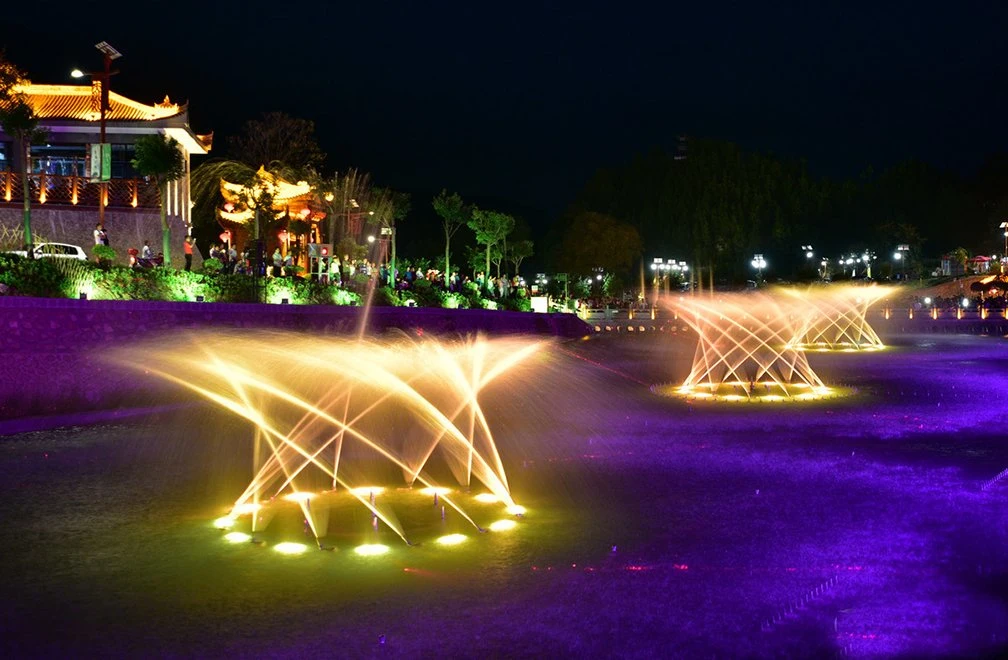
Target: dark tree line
(720, 205)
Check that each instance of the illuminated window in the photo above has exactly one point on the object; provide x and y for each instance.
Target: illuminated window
(59, 159)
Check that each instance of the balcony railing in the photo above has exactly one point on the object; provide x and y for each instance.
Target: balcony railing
(76, 191)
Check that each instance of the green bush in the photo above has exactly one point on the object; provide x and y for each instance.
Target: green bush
(456, 301)
(425, 294)
(212, 265)
(121, 283)
(31, 277)
(385, 296)
(105, 255)
(516, 304)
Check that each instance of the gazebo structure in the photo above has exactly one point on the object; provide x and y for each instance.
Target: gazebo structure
(291, 222)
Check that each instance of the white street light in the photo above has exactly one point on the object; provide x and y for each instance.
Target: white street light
(759, 263)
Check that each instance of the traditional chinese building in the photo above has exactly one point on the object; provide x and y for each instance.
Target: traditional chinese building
(64, 201)
(291, 222)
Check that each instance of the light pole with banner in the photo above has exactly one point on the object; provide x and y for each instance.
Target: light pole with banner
(100, 170)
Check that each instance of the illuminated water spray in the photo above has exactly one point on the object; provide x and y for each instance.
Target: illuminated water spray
(336, 417)
(834, 318)
(744, 350)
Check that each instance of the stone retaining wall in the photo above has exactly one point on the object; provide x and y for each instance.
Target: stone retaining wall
(53, 349)
(125, 228)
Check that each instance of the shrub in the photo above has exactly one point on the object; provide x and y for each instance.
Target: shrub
(344, 297)
(425, 294)
(455, 301)
(212, 265)
(385, 297)
(516, 304)
(105, 255)
(31, 277)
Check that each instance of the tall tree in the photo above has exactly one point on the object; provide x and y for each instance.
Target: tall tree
(490, 227)
(161, 159)
(389, 207)
(345, 197)
(596, 240)
(454, 213)
(278, 137)
(19, 121)
(519, 252)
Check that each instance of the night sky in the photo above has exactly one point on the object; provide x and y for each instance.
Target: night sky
(516, 105)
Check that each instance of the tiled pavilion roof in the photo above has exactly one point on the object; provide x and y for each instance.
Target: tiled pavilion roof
(81, 103)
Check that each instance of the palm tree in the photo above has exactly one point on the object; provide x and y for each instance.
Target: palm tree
(161, 159)
(19, 121)
(387, 208)
(344, 195)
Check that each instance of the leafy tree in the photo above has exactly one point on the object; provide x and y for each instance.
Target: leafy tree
(960, 256)
(490, 228)
(161, 159)
(453, 215)
(278, 137)
(596, 240)
(520, 251)
(10, 76)
(19, 121)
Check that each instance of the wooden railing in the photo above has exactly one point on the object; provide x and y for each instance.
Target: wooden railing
(77, 191)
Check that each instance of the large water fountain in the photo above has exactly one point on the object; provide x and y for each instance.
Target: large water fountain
(342, 418)
(833, 318)
(751, 346)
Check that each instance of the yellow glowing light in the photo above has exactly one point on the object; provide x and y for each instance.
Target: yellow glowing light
(365, 491)
(452, 539)
(502, 525)
(300, 496)
(237, 537)
(224, 522)
(288, 548)
(516, 510)
(435, 490)
(371, 549)
(247, 507)
(487, 498)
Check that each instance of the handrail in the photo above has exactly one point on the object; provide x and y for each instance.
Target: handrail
(78, 191)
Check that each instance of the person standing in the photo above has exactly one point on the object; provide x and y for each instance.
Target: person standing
(100, 237)
(187, 246)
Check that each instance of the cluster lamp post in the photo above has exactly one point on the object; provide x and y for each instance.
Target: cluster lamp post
(759, 263)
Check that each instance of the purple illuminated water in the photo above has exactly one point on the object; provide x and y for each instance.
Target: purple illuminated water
(855, 526)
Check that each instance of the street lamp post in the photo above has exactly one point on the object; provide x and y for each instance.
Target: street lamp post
(901, 255)
(759, 263)
(108, 54)
(1004, 257)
